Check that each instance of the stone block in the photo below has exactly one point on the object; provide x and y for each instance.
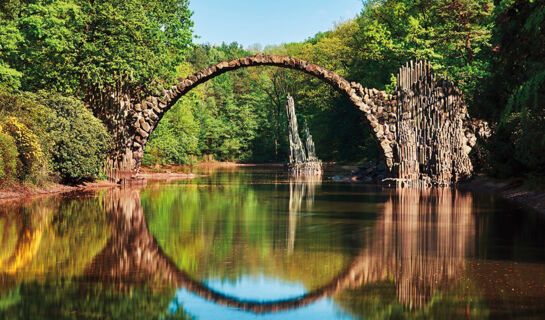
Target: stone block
(153, 116)
(137, 123)
(364, 107)
(145, 126)
(139, 139)
(142, 133)
(234, 63)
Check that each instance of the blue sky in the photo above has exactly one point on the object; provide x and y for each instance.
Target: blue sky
(267, 22)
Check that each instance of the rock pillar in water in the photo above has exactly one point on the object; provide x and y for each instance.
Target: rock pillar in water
(302, 162)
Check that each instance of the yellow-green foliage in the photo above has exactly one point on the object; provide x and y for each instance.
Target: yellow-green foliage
(8, 158)
(31, 156)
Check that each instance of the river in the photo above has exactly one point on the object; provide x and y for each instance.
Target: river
(249, 243)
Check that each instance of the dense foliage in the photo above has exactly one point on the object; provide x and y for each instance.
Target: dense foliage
(79, 140)
(49, 134)
(518, 83)
(96, 51)
(79, 46)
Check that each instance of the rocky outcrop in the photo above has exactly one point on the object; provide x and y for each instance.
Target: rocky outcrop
(303, 160)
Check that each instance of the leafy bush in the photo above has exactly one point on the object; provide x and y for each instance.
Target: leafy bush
(520, 139)
(53, 134)
(8, 158)
(31, 156)
(80, 141)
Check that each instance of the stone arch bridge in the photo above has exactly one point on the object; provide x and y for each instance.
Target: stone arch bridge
(423, 129)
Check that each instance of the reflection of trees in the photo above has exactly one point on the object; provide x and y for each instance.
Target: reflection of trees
(74, 299)
(45, 236)
(22, 229)
(415, 255)
(227, 230)
(44, 247)
(420, 242)
(302, 187)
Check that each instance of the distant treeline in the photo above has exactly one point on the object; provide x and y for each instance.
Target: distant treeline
(493, 50)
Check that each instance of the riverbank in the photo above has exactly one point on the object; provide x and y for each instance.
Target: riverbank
(515, 191)
(17, 192)
(157, 173)
(24, 192)
(373, 173)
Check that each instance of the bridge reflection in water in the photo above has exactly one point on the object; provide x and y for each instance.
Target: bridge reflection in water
(350, 249)
(420, 241)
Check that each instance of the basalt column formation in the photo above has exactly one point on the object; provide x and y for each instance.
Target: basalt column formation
(303, 161)
(434, 131)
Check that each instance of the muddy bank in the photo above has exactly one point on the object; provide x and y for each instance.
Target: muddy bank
(18, 192)
(24, 192)
(515, 191)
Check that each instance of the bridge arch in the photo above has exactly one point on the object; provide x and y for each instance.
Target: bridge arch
(373, 103)
(424, 129)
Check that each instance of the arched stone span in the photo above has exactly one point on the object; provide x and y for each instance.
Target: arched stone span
(424, 129)
(149, 112)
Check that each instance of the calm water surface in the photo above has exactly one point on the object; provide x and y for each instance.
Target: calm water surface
(249, 243)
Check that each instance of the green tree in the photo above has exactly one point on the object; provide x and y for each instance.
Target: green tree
(518, 100)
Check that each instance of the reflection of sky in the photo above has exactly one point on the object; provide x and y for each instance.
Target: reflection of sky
(259, 288)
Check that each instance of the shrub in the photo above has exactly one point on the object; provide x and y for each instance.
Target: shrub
(8, 158)
(80, 141)
(31, 156)
(54, 133)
